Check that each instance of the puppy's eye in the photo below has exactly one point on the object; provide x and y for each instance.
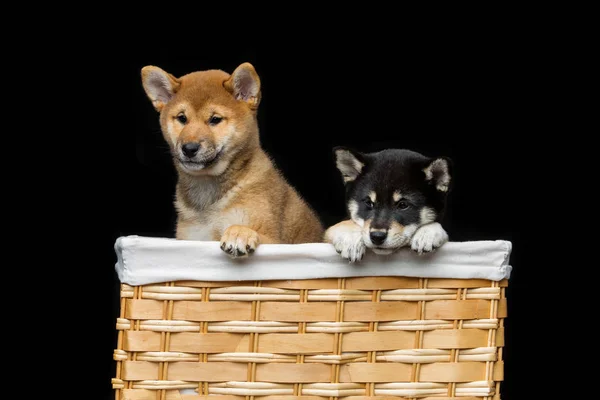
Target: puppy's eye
(369, 203)
(214, 120)
(181, 118)
(402, 204)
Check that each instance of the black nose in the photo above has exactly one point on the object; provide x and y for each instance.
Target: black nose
(190, 149)
(377, 237)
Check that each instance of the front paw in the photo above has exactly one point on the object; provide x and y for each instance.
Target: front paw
(239, 241)
(346, 238)
(428, 238)
(350, 246)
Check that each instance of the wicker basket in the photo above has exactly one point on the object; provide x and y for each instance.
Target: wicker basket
(352, 336)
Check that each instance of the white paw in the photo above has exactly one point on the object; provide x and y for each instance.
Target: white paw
(428, 238)
(350, 245)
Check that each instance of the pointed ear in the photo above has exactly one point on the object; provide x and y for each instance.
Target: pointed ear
(244, 85)
(438, 173)
(349, 162)
(159, 85)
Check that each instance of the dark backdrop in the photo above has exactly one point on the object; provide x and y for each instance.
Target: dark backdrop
(471, 106)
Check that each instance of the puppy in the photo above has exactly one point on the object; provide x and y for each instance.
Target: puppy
(394, 198)
(228, 189)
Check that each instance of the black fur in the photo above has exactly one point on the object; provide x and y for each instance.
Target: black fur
(387, 171)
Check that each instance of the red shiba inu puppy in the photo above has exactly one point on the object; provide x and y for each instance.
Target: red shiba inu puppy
(228, 188)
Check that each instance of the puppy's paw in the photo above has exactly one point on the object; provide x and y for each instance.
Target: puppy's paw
(346, 238)
(239, 241)
(350, 246)
(428, 238)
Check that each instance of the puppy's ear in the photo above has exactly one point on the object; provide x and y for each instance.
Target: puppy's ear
(438, 173)
(349, 162)
(160, 86)
(244, 85)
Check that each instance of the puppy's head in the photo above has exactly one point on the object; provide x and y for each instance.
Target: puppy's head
(391, 193)
(206, 117)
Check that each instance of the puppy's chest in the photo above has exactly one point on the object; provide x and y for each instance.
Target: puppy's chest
(201, 221)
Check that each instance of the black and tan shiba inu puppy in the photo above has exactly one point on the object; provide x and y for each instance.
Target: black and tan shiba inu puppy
(394, 198)
(228, 189)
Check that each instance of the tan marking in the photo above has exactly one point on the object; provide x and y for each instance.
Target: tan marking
(366, 228)
(427, 215)
(395, 229)
(396, 196)
(373, 196)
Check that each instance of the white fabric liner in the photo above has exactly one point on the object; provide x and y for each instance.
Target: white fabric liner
(146, 260)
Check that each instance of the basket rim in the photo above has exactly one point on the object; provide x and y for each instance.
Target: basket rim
(145, 260)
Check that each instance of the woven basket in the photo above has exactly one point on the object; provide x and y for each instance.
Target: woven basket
(353, 337)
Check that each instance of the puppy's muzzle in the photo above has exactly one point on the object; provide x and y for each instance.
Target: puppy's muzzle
(190, 149)
(378, 237)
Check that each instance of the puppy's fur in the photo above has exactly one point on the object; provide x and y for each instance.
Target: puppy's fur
(228, 189)
(394, 198)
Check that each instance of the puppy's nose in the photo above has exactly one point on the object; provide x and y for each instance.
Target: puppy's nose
(190, 149)
(378, 237)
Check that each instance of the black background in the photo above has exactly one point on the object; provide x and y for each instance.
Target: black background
(468, 104)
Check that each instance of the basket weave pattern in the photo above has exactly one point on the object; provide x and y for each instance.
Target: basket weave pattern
(355, 338)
